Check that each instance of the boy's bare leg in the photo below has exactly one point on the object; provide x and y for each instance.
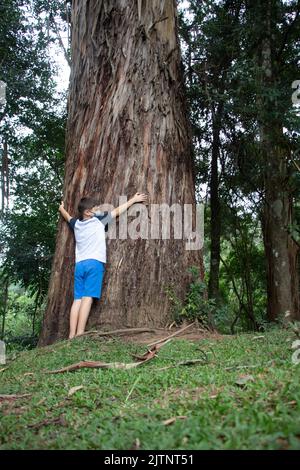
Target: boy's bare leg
(85, 307)
(74, 315)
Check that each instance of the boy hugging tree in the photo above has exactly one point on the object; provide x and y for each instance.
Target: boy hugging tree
(90, 255)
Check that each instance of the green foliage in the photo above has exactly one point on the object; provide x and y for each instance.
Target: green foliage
(29, 245)
(25, 66)
(22, 320)
(222, 57)
(196, 306)
(33, 126)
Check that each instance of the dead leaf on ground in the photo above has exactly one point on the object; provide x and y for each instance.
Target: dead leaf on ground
(169, 421)
(136, 445)
(257, 337)
(283, 443)
(41, 401)
(190, 394)
(62, 404)
(74, 390)
(242, 380)
(292, 403)
(296, 344)
(14, 410)
(46, 422)
(4, 368)
(14, 397)
(27, 374)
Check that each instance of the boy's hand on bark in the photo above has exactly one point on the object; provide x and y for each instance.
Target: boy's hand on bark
(140, 197)
(62, 206)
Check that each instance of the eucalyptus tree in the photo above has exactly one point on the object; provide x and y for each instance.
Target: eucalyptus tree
(127, 131)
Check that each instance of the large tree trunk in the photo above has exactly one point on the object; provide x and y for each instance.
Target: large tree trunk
(281, 251)
(127, 131)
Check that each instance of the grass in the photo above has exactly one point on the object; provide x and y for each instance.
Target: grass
(126, 409)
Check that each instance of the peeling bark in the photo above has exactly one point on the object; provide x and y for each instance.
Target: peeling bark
(127, 131)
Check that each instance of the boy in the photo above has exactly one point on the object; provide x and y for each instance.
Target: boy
(90, 258)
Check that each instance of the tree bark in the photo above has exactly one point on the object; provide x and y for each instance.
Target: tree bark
(282, 258)
(215, 207)
(281, 251)
(127, 131)
(4, 302)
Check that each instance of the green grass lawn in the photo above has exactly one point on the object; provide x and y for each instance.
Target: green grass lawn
(126, 409)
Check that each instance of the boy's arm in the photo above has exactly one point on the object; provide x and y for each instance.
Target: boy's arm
(64, 213)
(138, 197)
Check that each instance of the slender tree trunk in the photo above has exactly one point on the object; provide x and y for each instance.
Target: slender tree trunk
(5, 177)
(215, 223)
(281, 255)
(36, 304)
(281, 250)
(4, 305)
(127, 131)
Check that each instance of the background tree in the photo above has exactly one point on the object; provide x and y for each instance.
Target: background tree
(31, 149)
(252, 103)
(276, 66)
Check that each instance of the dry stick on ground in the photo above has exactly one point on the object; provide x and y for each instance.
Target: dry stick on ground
(190, 362)
(250, 366)
(46, 422)
(97, 365)
(94, 365)
(171, 336)
(150, 354)
(14, 397)
(119, 332)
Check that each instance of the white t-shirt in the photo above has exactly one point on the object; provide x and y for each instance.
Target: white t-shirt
(90, 237)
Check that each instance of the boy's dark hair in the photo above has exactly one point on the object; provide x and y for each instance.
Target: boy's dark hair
(86, 203)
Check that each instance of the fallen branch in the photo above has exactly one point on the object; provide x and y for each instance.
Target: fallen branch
(150, 354)
(14, 397)
(250, 366)
(171, 326)
(95, 365)
(169, 421)
(190, 362)
(171, 336)
(60, 40)
(118, 332)
(47, 422)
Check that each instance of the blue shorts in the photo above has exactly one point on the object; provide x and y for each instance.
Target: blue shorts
(88, 278)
